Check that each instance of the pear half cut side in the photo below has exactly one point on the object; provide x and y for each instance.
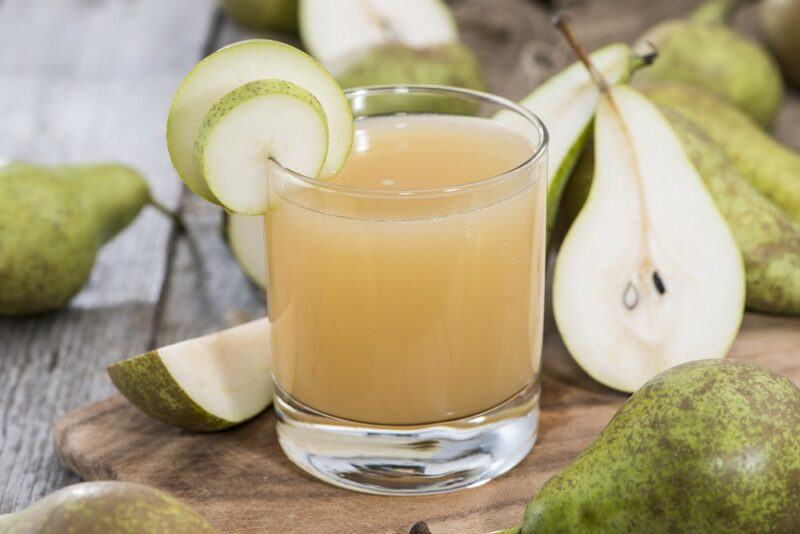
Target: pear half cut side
(649, 275)
(566, 104)
(205, 384)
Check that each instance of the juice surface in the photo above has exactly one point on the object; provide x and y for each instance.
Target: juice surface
(416, 315)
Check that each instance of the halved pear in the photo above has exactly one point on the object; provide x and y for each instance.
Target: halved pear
(243, 130)
(207, 383)
(235, 65)
(246, 238)
(566, 103)
(649, 275)
(333, 32)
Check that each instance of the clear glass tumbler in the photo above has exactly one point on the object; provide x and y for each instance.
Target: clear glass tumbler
(407, 324)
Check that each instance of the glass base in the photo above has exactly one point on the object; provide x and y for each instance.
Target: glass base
(409, 460)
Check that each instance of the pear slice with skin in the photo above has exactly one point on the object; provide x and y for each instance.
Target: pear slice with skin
(233, 66)
(246, 238)
(566, 103)
(207, 383)
(259, 121)
(649, 275)
(335, 32)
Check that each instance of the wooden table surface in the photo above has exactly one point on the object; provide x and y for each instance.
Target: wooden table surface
(91, 80)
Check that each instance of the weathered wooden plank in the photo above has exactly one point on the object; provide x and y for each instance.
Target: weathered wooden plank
(83, 81)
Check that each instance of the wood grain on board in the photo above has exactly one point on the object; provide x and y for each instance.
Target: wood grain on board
(241, 482)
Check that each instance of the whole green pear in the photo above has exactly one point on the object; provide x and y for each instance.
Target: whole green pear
(768, 238)
(106, 507)
(53, 220)
(263, 15)
(770, 167)
(707, 446)
(451, 64)
(702, 50)
(781, 21)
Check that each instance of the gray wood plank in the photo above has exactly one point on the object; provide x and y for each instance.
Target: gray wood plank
(87, 81)
(207, 291)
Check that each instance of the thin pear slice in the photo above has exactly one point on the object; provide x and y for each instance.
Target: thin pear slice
(259, 121)
(235, 65)
(206, 384)
(649, 275)
(333, 32)
(246, 238)
(566, 103)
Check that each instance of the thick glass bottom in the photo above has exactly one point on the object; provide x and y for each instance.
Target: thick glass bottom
(409, 460)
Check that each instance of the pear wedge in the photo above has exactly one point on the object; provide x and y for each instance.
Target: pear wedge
(770, 167)
(649, 275)
(246, 237)
(206, 384)
(335, 32)
(566, 103)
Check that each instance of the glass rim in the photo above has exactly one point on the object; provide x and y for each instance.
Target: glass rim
(443, 90)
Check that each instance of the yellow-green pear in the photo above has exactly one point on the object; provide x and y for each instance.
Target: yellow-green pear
(781, 21)
(773, 169)
(705, 447)
(263, 15)
(702, 50)
(53, 220)
(105, 508)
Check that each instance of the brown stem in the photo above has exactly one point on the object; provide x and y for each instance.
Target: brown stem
(562, 22)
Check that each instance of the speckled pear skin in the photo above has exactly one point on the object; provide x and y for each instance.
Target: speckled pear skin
(770, 167)
(707, 446)
(146, 382)
(104, 508)
(263, 15)
(452, 64)
(52, 223)
(703, 51)
(768, 238)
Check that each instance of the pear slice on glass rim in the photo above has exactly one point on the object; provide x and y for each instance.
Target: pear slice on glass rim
(649, 275)
(207, 383)
(238, 64)
(260, 121)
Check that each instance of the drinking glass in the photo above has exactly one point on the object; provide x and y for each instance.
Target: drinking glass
(406, 325)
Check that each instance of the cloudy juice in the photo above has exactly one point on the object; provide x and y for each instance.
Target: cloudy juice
(408, 289)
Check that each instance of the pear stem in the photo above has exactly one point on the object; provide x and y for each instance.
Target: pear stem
(630, 295)
(176, 218)
(564, 25)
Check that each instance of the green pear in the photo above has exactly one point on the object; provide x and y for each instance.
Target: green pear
(208, 383)
(770, 167)
(267, 15)
(702, 50)
(781, 20)
(708, 446)
(768, 239)
(105, 507)
(451, 64)
(53, 220)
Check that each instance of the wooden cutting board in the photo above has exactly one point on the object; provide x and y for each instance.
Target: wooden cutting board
(241, 482)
